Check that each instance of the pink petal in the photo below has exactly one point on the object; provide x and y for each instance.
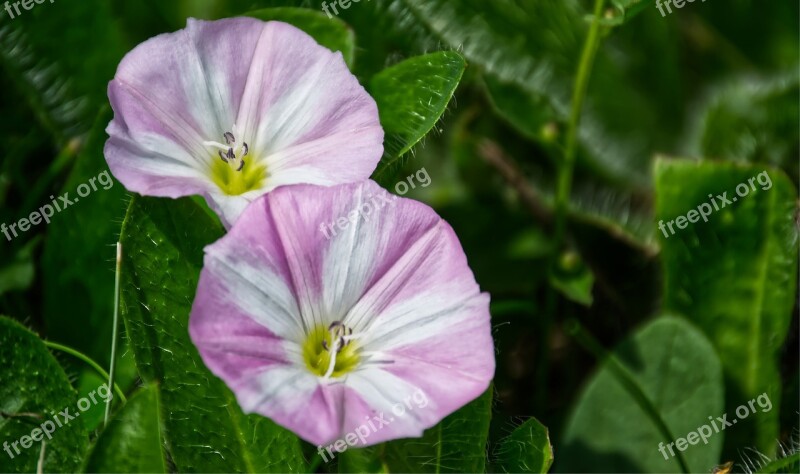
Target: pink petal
(304, 116)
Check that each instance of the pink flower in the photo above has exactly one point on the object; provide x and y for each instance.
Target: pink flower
(323, 327)
(234, 108)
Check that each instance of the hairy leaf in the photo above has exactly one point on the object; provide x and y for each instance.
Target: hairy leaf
(527, 449)
(411, 97)
(457, 444)
(163, 244)
(34, 391)
(132, 440)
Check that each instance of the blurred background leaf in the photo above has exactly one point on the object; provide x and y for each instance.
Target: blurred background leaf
(657, 386)
(734, 276)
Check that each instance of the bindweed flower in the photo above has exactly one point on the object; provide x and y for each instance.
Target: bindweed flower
(234, 108)
(324, 331)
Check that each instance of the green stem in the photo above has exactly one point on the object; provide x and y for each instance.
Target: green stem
(112, 364)
(624, 377)
(578, 95)
(564, 186)
(89, 362)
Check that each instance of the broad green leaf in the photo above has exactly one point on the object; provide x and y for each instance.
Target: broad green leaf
(611, 429)
(332, 33)
(132, 440)
(457, 444)
(411, 97)
(162, 242)
(734, 276)
(78, 258)
(34, 391)
(527, 449)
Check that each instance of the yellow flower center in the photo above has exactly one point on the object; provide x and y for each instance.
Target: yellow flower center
(234, 183)
(330, 352)
(232, 168)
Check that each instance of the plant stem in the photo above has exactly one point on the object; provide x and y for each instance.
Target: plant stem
(578, 95)
(563, 188)
(88, 361)
(112, 364)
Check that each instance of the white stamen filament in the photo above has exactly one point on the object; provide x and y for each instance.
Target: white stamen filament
(217, 145)
(334, 350)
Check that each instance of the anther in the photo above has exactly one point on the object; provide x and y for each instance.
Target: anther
(229, 152)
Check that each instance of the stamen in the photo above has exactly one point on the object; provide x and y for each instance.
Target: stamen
(230, 153)
(340, 337)
(216, 145)
(332, 363)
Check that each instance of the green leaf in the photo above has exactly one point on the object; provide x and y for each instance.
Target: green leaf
(612, 429)
(784, 465)
(64, 89)
(411, 97)
(734, 276)
(162, 242)
(34, 390)
(457, 444)
(751, 119)
(332, 33)
(132, 441)
(528, 449)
